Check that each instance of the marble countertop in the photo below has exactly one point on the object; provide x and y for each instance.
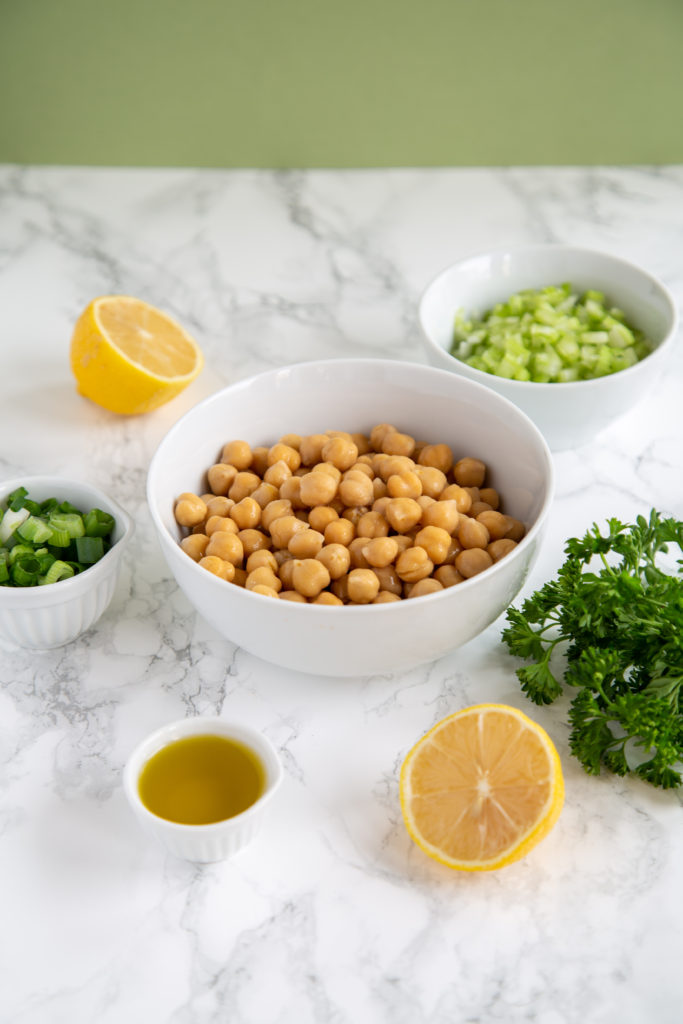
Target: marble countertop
(332, 915)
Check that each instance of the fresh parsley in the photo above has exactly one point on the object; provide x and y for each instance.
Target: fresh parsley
(618, 616)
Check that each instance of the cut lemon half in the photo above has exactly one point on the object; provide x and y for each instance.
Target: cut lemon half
(481, 788)
(129, 357)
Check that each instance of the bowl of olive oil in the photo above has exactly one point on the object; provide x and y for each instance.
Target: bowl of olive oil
(202, 786)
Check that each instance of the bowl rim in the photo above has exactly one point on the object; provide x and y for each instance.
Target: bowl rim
(202, 725)
(75, 586)
(299, 608)
(480, 376)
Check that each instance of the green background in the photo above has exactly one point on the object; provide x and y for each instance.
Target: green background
(349, 83)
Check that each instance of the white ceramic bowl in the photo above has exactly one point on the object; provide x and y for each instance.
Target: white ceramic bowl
(53, 615)
(354, 395)
(567, 414)
(204, 843)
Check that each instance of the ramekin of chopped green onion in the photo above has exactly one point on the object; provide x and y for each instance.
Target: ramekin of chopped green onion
(575, 338)
(61, 544)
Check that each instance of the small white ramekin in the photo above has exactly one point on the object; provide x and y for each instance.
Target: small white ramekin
(45, 617)
(222, 839)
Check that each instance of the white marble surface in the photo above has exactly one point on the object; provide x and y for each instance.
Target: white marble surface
(333, 915)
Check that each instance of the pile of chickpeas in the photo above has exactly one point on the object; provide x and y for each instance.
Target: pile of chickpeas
(346, 519)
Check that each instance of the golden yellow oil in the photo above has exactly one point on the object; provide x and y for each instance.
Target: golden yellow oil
(201, 779)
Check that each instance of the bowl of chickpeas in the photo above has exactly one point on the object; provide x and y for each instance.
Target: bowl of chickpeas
(350, 517)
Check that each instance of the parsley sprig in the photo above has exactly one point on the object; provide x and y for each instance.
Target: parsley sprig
(618, 616)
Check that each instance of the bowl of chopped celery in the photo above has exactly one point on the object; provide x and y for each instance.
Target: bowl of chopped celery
(574, 337)
(61, 547)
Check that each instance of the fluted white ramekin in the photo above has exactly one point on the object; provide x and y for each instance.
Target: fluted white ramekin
(222, 839)
(53, 615)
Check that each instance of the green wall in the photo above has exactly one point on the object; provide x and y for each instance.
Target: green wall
(349, 83)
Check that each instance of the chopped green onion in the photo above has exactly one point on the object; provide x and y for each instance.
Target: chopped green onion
(98, 523)
(549, 335)
(89, 549)
(44, 542)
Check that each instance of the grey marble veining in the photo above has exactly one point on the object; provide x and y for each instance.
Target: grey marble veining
(333, 915)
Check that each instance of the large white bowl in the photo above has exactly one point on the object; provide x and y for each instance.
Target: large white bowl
(353, 395)
(53, 615)
(567, 414)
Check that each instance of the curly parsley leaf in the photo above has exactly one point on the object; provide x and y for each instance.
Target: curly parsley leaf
(618, 616)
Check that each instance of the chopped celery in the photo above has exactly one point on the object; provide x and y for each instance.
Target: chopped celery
(44, 542)
(549, 335)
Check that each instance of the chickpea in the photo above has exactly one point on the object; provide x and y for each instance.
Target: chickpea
(404, 541)
(516, 530)
(490, 496)
(461, 497)
(355, 490)
(336, 558)
(435, 542)
(284, 453)
(260, 558)
(472, 534)
(277, 473)
(311, 447)
(341, 452)
(217, 505)
(361, 467)
(292, 595)
(214, 523)
(190, 510)
(478, 507)
(394, 465)
(395, 443)
(327, 467)
(263, 576)
(214, 564)
(261, 588)
(469, 472)
(472, 561)
(474, 494)
(438, 456)
(327, 597)
(226, 546)
(291, 491)
(372, 524)
(317, 489)
(340, 588)
(259, 459)
(385, 597)
(389, 579)
(306, 543)
(273, 511)
(237, 454)
(240, 577)
(377, 434)
(357, 553)
(362, 443)
(195, 545)
(380, 551)
(253, 540)
(341, 531)
(242, 486)
(283, 529)
(286, 572)
(448, 576)
(496, 523)
(433, 480)
(454, 548)
(403, 513)
(246, 513)
(220, 477)
(310, 577)
(363, 586)
(426, 586)
(320, 516)
(404, 485)
(380, 504)
(264, 494)
(500, 548)
(379, 488)
(442, 513)
(291, 440)
(414, 564)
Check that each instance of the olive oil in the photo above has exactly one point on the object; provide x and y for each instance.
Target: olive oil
(201, 779)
